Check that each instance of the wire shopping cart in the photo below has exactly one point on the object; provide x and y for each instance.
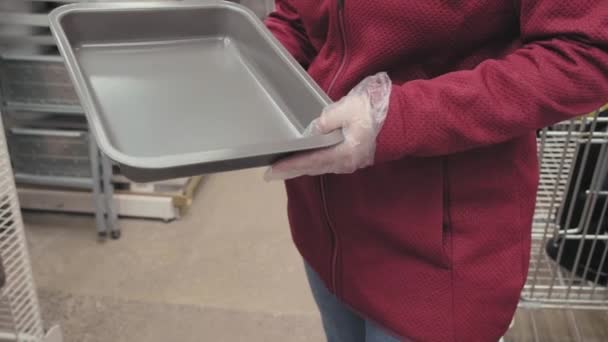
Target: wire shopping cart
(569, 261)
(20, 318)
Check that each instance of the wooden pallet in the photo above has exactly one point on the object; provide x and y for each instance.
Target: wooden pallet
(169, 186)
(166, 206)
(181, 191)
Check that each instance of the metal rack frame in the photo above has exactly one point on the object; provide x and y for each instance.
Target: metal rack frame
(58, 97)
(34, 79)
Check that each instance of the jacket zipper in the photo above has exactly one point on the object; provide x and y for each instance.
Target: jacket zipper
(345, 52)
(445, 233)
(334, 235)
(334, 258)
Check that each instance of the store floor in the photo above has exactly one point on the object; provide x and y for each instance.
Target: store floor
(225, 272)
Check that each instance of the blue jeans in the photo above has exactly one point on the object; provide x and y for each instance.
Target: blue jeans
(340, 323)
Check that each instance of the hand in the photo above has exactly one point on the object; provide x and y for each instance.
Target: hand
(360, 115)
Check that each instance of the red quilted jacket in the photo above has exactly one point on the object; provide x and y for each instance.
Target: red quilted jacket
(433, 241)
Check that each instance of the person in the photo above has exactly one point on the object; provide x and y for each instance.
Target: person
(418, 225)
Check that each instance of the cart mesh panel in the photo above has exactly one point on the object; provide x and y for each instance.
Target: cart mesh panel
(19, 311)
(569, 236)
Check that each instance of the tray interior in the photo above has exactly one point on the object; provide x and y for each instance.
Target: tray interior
(170, 82)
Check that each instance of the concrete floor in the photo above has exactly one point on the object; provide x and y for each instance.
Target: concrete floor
(225, 272)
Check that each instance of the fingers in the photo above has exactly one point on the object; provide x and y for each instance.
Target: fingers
(334, 117)
(308, 163)
(313, 129)
(353, 115)
(341, 114)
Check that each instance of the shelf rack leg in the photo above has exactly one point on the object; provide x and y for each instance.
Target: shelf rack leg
(106, 217)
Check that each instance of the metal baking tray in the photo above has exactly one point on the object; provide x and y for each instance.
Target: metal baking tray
(178, 89)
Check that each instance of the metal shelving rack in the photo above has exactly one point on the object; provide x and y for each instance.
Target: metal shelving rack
(54, 157)
(46, 129)
(57, 164)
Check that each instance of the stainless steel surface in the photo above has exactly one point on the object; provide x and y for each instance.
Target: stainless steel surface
(37, 84)
(208, 90)
(569, 262)
(49, 153)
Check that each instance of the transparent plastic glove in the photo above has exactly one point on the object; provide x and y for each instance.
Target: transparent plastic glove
(360, 115)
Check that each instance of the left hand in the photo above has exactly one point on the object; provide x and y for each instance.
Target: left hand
(360, 115)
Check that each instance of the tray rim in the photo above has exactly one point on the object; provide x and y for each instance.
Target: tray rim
(182, 159)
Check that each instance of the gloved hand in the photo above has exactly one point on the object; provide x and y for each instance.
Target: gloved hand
(360, 115)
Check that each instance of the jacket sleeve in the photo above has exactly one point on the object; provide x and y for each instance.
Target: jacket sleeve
(287, 27)
(560, 72)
